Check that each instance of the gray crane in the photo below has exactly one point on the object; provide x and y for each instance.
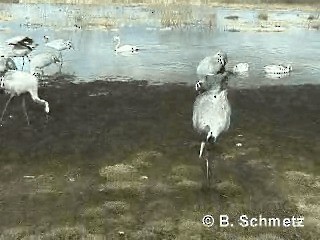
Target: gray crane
(211, 111)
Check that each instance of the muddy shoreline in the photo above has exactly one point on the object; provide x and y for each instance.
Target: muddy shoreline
(98, 124)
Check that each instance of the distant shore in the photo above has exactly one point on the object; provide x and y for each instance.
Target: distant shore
(309, 5)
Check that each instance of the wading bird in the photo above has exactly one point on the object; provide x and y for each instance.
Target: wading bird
(212, 65)
(22, 46)
(42, 60)
(211, 114)
(59, 45)
(123, 48)
(17, 83)
(277, 69)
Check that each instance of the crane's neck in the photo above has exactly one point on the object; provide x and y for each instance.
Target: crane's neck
(118, 43)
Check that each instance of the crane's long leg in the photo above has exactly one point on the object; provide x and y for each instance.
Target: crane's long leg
(5, 107)
(22, 63)
(201, 148)
(207, 165)
(61, 60)
(206, 157)
(25, 109)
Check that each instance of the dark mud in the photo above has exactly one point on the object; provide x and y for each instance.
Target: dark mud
(119, 160)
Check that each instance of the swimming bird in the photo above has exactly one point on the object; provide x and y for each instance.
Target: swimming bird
(17, 83)
(22, 46)
(6, 64)
(42, 60)
(58, 45)
(277, 69)
(123, 48)
(241, 68)
(212, 65)
(211, 116)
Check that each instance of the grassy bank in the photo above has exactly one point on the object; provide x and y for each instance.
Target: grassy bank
(119, 161)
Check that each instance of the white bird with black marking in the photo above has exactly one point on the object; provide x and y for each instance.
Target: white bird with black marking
(123, 48)
(212, 65)
(211, 115)
(22, 46)
(241, 68)
(58, 45)
(277, 69)
(17, 83)
(42, 60)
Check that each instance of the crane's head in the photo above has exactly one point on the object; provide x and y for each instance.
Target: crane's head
(55, 59)
(199, 85)
(210, 82)
(289, 67)
(69, 44)
(36, 73)
(210, 137)
(46, 38)
(222, 57)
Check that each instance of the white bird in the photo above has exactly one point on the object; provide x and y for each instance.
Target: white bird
(211, 116)
(18, 82)
(42, 60)
(6, 64)
(59, 45)
(123, 48)
(22, 46)
(277, 69)
(212, 65)
(241, 68)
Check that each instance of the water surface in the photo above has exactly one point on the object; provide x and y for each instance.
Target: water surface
(170, 56)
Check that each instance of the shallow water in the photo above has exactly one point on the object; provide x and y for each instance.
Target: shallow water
(171, 56)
